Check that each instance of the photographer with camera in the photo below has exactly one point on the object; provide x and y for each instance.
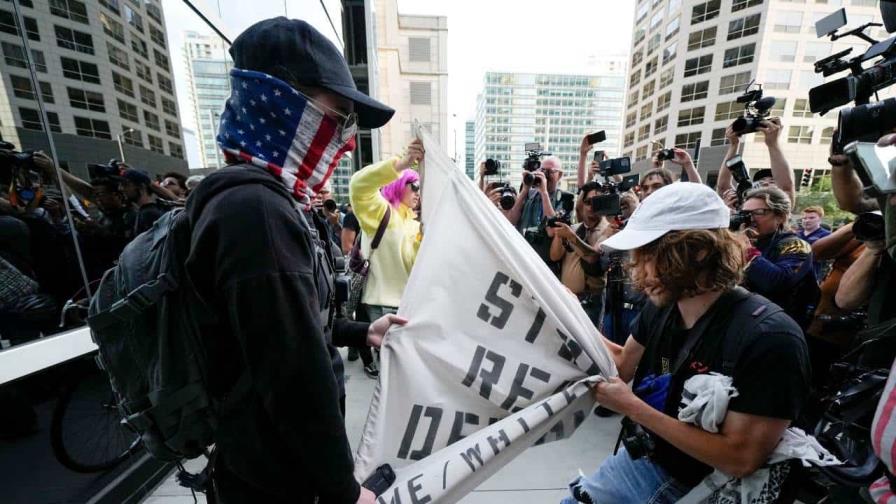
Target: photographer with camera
(779, 263)
(576, 249)
(540, 200)
(678, 157)
(697, 322)
(781, 174)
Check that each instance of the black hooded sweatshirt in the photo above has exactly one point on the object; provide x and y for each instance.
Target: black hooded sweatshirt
(251, 260)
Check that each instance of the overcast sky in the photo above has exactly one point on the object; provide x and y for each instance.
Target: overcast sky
(526, 36)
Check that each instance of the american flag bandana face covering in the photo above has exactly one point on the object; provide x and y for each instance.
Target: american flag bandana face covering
(269, 124)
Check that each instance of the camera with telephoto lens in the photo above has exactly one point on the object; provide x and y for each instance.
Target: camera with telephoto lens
(564, 212)
(492, 166)
(608, 202)
(508, 196)
(741, 177)
(532, 163)
(869, 226)
(756, 110)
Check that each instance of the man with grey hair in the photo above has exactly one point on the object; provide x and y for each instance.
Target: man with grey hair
(539, 200)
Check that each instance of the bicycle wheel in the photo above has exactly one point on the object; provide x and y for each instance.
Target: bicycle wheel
(86, 432)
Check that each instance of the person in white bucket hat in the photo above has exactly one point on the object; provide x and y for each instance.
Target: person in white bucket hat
(688, 263)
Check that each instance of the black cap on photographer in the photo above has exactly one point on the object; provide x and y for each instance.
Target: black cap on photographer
(295, 52)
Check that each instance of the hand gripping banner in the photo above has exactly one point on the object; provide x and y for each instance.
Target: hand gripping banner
(497, 356)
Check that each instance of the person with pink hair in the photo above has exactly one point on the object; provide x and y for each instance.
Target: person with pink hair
(388, 185)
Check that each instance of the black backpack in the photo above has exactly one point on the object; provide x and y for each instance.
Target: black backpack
(145, 317)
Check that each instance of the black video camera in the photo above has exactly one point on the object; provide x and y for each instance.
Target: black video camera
(11, 159)
(492, 166)
(615, 166)
(864, 122)
(532, 163)
(756, 110)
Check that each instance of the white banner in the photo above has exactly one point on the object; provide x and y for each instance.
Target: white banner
(493, 359)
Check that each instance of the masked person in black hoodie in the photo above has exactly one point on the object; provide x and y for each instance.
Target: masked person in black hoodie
(261, 258)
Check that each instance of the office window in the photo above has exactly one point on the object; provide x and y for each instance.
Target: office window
(633, 97)
(112, 28)
(139, 46)
(172, 128)
(31, 119)
(630, 119)
(690, 117)
(649, 88)
(801, 108)
(654, 43)
(672, 28)
(169, 106)
(738, 55)
(669, 52)
(777, 79)
(85, 126)
(641, 153)
(634, 78)
(128, 111)
(8, 25)
(87, 100)
(644, 132)
(151, 120)
(743, 27)
(778, 107)
(666, 77)
(656, 19)
(132, 137)
(702, 38)
(642, 11)
(118, 56)
(154, 11)
(133, 18)
(718, 137)
(143, 71)
(646, 110)
(157, 36)
(737, 5)
(827, 135)
(728, 111)
(705, 11)
(80, 70)
(814, 51)
(673, 6)
(697, 66)
(69, 9)
(112, 5)
(74, 40)
(661, 125)
(123, 84)
(156, 144)
(734, 83)
(160, 59)
(799, 135)
(147, 96)
(788, 21)
(694, 91)
(421, 93)
(637, 58)
(21, 87)
(662, 103)
(639, 36)
(687, 140)
(651, 66)
(629, 139)
(37, 59)
(14, 55)
(175, 150)
(165, 83)
(783, 50)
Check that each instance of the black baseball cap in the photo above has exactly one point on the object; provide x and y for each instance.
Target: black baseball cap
(761, 174)
(294, 51)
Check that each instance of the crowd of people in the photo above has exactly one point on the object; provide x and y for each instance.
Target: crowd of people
(680, 279)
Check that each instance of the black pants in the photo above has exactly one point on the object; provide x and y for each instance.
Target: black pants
(231, 489)
(364, 351)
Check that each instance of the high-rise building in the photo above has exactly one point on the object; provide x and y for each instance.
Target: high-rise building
(412, 74)
(104, 74)
(691, 59)
(208, 63)
(551, 109)
(470, 149)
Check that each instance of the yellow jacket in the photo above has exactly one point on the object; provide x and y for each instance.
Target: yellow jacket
(392, 261)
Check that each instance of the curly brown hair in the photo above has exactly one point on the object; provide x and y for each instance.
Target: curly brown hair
(690, 262)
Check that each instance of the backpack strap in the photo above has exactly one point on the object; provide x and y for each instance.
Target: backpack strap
(381, 230)
(749, 313)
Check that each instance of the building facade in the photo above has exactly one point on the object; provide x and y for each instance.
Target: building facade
(691, 59)
(208, 63)
(470, 148)
(104, 74)
(552, 109)
(412, 74)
